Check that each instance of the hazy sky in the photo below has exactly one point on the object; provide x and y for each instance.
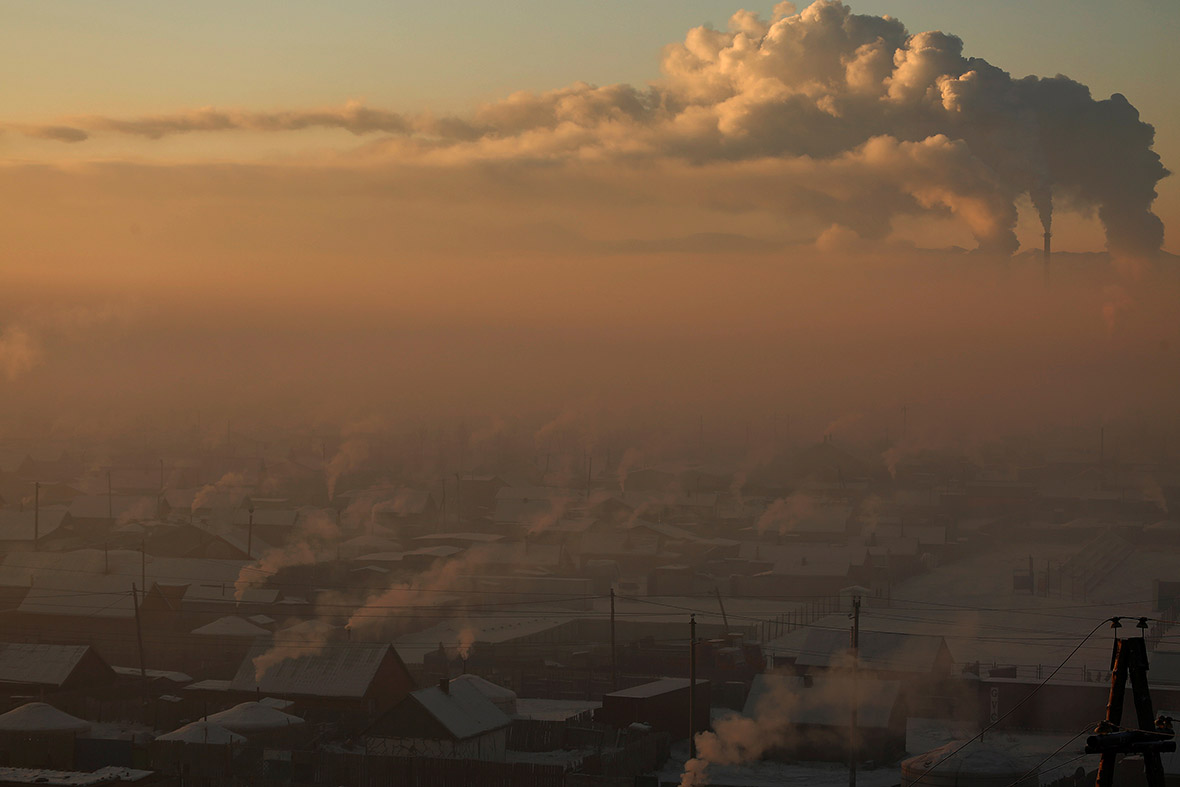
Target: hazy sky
(435, 194)
(62, 59)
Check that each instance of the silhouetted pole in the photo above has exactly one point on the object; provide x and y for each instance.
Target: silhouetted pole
(692, 686)
(250, 535)
(36, 514)
(853, 743)
(139, 643)
(614, 652)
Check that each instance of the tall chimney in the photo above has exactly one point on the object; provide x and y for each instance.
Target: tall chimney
(1048, 251)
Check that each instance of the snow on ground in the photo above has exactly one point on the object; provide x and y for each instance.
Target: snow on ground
(971, 603)
(922, 735)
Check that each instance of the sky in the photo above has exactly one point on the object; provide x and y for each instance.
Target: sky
(553, 194)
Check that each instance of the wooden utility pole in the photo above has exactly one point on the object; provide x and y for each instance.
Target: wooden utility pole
(139, 643)
(36, 515)
(614, 651)
(692, 686)
(720, 603)
(250, 535)
(854, 732)
(1151, 737)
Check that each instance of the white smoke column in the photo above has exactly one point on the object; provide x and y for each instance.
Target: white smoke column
(423, 590)
(541, 522)
(629, 461)
(229, 482)
(303, 640)
(352, 454)
(813, 85)
(736, 739)
(466, 642)
(19, 352)
(783, 514)
(312, 541)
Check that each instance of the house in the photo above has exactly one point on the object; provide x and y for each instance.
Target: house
(95, 511)
(364, 677)
(24, 530)
(30, 668)
(453, 720)
(810, 716)
(661, 704)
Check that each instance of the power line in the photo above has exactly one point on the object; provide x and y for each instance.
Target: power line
(1014, 708)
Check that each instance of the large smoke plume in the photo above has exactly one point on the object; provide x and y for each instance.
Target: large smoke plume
(876, 121)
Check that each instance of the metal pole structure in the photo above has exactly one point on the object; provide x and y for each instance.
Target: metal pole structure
(614, 651)
(692, 686)
(1114, 712)
(1141, 695)
(854, 732)
(36, 515)
(139, 643)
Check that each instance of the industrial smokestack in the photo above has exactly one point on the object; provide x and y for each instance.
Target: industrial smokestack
(1048, 253)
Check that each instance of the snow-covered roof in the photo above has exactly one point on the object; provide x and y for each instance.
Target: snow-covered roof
(203, 732)
(41, 717)
(554, 710)
(877, 650)
(170, 675)
(462, 709)
(97, 583)
(230, 626)
(308, 629)
(655, 688)
(44, 665)
(249, 717)
(19, 525)
(110, 774)
(503, 698)
(343, 669)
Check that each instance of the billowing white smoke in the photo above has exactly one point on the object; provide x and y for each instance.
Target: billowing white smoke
(917, 125)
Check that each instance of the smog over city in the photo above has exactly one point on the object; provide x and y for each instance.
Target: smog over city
(574, 395)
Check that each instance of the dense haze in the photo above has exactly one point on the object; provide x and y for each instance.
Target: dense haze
(751, 234)
(433, 391)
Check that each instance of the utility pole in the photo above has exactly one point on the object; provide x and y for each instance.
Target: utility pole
(250, 535)
(36, 515)
(139, 642)
(614, 652)
(1151, 737)
(854, 733)
(720, 603)
(692, 687)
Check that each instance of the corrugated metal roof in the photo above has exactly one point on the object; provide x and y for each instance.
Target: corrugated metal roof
(42, 665)
(344, 669)
(19, 525)
(462, 709)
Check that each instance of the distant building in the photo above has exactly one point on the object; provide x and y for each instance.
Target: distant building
(454, 719)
